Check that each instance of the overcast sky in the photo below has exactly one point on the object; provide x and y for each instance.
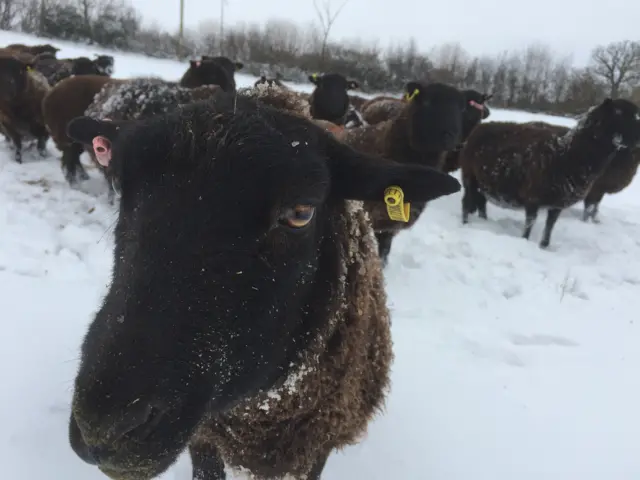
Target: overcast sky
(487, 26)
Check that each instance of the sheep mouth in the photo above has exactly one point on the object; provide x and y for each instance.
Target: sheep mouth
(116, 463)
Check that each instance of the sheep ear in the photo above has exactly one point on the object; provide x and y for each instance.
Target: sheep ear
(352, 85)
(487, 96)
(357, 176)
(85, 129)
(194, 63)
(239, 65)
(314, 78)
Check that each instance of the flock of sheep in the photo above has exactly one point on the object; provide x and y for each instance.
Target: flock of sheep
(246, 320)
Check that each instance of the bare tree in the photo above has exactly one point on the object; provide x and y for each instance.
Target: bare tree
(618, 64)
(326, 18)
(10, 11)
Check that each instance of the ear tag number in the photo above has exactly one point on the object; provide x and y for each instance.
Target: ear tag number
(397, 209)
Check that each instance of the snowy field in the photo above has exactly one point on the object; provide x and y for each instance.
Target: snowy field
(511, 362)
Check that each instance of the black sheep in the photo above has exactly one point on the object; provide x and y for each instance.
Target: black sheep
(330, 100)
(246, 319)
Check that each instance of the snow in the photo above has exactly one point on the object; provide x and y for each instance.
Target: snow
(511, 361)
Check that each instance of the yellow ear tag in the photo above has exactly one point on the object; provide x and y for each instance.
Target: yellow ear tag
(29, 69)
(397, 209)
(408, 97)
(315, 76)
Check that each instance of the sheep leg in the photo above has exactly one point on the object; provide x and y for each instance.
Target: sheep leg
(318, 467)
(481, 202)
(471, 197)
(71, 165)
(384, 245)
(41, 134)
(17, 141)
(591, 204)
(552, 217)
(531, 213)
(206, 462)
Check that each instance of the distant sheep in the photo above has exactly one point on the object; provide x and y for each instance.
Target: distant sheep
(33, 49)
(531, 166)
(72, 100)
(329, 100)
(105, 64)
(616, 177)
(271, 82)
(211, 71)
(55, 70)
(429, 125)
(21, 92)
(69, 99)
(246, 320)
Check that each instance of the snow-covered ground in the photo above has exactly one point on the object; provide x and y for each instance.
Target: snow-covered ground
(511, 362)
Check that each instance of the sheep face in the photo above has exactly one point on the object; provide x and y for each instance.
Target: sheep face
(436, 113)
(475, 111)
(329, 100)
(84, 66)
(208, 72)
(13, 78)
(620, 118)
(105, 64)
(228, 231)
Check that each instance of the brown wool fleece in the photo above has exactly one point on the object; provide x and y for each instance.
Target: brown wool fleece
(24, 113)
(337, 388)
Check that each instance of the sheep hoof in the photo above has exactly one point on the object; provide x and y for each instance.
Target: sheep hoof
(544, 244)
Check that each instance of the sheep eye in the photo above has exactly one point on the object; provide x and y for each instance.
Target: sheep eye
(298, 217)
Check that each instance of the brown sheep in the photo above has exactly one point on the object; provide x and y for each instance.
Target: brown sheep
(381, 110)
(24, 57)
(281, 98)
(67, 100)
(33, 49)
(379, 98)
(529, 166)
(21, 92)
(429, 126)
(241, 325)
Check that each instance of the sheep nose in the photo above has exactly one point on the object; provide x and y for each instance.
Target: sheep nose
(137, 422)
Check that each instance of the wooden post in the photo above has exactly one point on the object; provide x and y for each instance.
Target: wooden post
(181, 32)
